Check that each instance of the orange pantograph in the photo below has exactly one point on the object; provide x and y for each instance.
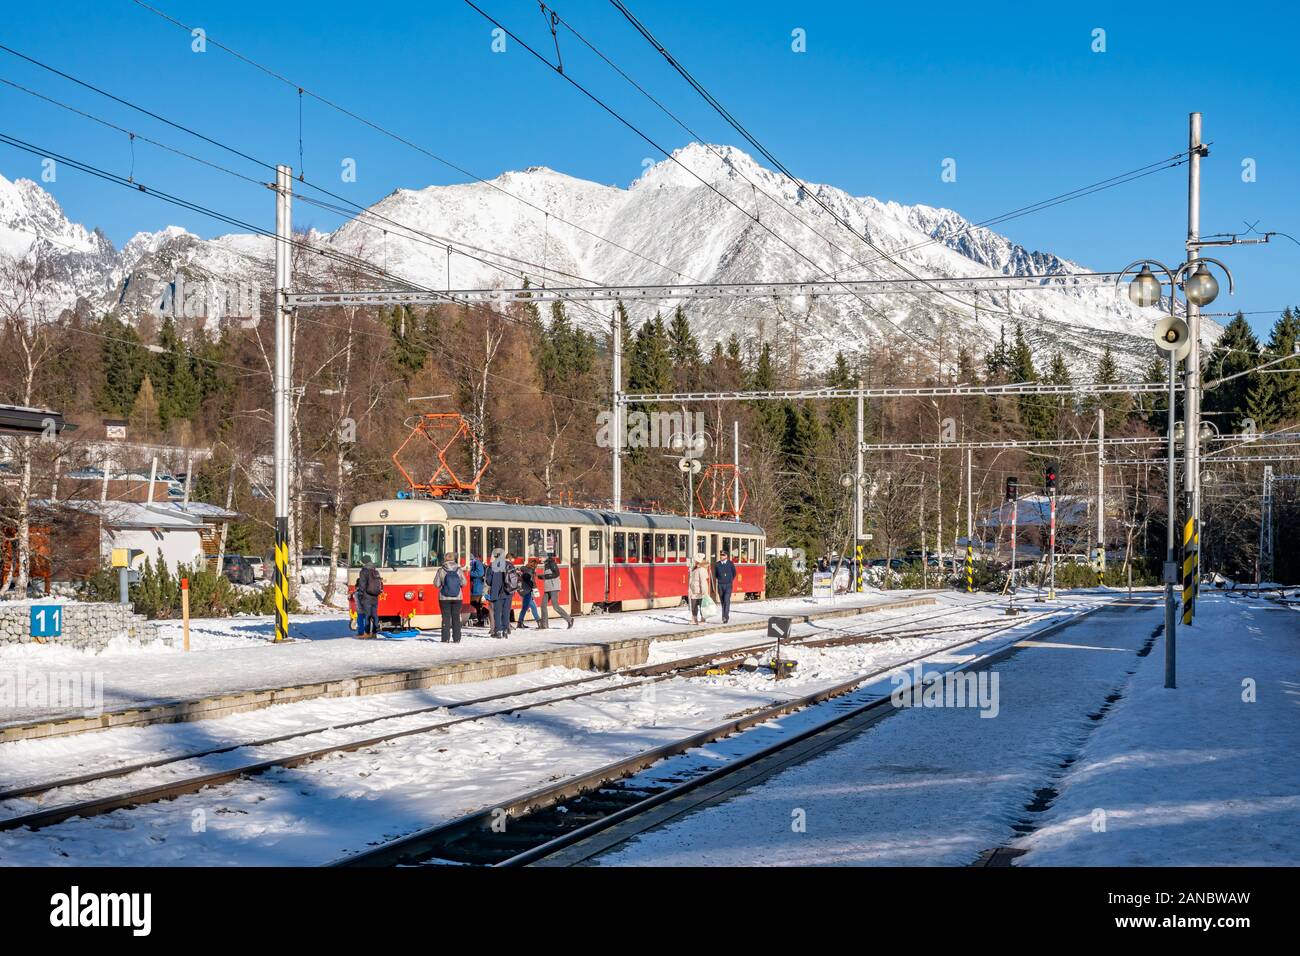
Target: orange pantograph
(720, 492)
(444, 434)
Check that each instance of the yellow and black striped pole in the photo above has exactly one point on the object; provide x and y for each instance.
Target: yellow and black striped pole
(859, 568)
(1191, 558)
(281, 579)
(970, 568)
(1100, 565)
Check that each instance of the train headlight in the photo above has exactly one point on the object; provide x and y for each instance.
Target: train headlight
(409, 595)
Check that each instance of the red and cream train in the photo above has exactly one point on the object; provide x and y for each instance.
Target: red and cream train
(616, 560)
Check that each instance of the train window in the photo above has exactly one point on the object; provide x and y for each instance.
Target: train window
(742, 546)
(437, 540)
(661, 547)
(496, 538)
(536, 543)
(620, 546)
(674, 550)
(555, 542)
(515, 537)
(476, 543)
(458, 542)
(594, 541)
(700, 547)
(633, 547)
(713, 547)
(404, 546)
(367, 544)
(647, 546)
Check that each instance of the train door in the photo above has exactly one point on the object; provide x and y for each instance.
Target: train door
(575, 570)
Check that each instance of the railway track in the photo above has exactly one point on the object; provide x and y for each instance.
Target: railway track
(721, 660)
(716, 660)
(539, 825)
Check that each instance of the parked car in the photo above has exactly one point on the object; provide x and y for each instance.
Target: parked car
(238, 569)
(259, 566)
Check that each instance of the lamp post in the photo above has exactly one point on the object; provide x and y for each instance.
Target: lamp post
(689, 448)
(1173, 335)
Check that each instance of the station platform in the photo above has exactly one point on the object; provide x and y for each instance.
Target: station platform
(326, 660)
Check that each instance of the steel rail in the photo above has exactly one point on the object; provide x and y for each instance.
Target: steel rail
(419, 844)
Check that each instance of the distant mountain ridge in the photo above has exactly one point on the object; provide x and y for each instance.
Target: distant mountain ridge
(666, 227)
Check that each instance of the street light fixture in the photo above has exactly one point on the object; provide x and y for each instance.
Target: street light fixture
(1144, 290)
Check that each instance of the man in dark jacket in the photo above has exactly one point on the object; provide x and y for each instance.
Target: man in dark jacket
(499, 594)
(724, 576)
(369, 586)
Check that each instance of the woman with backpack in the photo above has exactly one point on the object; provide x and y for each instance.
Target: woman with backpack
(449, 582)
(527, 584)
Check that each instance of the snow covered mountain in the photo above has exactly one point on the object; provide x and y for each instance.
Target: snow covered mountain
(666, 227)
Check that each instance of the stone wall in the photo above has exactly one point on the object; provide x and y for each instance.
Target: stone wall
(87, 626)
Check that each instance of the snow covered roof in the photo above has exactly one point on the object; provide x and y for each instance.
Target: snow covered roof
(1035, 511)
(168, 515)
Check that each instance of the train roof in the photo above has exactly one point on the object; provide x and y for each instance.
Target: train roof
(429, 508)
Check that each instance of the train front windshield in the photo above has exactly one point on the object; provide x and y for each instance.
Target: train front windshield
(398, 546)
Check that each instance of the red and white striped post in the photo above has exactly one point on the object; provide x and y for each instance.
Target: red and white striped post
(1051, 546)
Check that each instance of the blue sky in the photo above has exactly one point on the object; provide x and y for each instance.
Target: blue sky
(881, 97)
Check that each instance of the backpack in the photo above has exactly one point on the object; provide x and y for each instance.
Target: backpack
(513, 579)
(374, 584)
(451, 584)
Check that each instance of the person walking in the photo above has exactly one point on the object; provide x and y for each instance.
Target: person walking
(369, 586)
(477, 576)
(698, 586)
(499, 593)
(449, 582)
(551, 591)
(527, 585)
(724, 575)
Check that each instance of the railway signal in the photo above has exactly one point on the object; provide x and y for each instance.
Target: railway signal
(1012, 487)
(1049, 479)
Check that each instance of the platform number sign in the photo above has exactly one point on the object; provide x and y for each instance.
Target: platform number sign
(47, 620)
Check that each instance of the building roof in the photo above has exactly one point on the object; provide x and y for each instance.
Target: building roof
(168, 515)
(1034, 511)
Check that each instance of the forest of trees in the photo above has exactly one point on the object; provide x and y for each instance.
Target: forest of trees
(533, 380)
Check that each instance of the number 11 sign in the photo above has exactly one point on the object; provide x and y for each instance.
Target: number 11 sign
(47, 620)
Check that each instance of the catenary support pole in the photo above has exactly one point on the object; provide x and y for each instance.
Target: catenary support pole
(1171, 567)
(970, 527)
(1192, 413)
(283, 283)
(735, 460)
(616, 372)
(1101, 496)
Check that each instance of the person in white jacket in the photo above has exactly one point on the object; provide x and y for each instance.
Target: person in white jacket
(699, 586)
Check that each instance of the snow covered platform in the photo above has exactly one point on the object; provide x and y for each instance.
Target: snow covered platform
(234, 667)
(1105, 768)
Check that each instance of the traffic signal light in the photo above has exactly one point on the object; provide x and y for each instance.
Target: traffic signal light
(1049, 478)
(1011, 489)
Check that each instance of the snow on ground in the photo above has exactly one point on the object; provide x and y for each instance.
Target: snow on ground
(237, 654)
(324, 809)
(926, 786)
(1198, 776)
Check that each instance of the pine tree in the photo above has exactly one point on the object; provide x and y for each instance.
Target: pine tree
(1283, 341)
(684, 349)
(177, 387)
(1236, 351)
(125, 362)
